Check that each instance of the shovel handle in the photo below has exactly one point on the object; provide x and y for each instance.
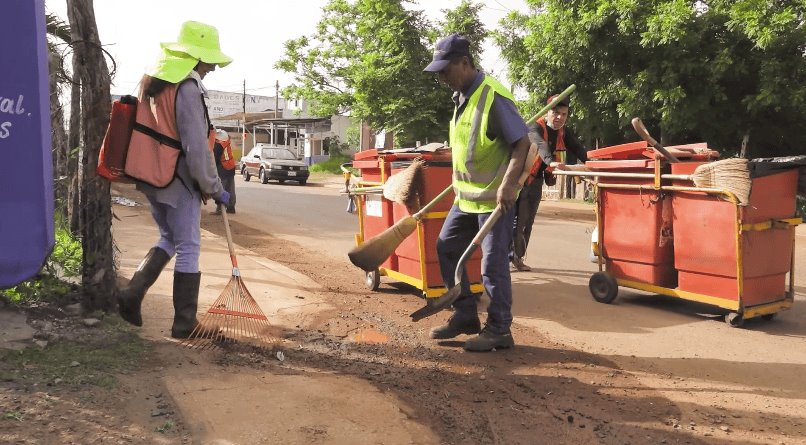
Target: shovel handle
(476, 243)
(642, 131)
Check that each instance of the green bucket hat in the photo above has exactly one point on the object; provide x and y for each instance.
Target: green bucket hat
(199, 41)
(173, 67)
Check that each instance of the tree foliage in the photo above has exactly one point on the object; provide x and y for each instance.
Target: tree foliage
(366, 59)
(699, 70)
(464, 19)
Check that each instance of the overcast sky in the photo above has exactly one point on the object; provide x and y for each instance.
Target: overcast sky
(251, 31)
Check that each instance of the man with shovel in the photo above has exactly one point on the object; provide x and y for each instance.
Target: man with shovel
(489, 145)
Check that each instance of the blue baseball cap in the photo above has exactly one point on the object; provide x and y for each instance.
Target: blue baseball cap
(447, 49)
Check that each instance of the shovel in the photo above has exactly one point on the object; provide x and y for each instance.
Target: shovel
(435, 305)
(642, 131)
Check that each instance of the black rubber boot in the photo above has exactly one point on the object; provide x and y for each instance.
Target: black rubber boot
(131, 297)
(186, 302)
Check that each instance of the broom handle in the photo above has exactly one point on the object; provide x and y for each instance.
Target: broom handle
(567, 92)
(419, 215)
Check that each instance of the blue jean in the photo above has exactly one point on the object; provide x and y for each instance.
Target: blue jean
(456, 234)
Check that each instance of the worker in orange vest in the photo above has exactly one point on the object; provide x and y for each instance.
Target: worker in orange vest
(557, 145)
(225, 163)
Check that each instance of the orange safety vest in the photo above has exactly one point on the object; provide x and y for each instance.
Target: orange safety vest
(560, 147)
(154, 148)
(227, 160)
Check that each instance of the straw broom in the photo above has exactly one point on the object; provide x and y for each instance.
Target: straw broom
(402, 187)
(730, 175)
(370, 254)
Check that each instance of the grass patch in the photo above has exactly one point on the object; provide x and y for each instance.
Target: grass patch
(165, 427)
(13, 415)
(332, 165)
(53, 280)
(94, 360)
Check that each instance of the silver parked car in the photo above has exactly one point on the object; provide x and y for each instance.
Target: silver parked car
(271, 162)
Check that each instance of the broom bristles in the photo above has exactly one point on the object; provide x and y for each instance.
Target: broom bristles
(234, 317)
(370, 254)
(730, 175)
(404, 187)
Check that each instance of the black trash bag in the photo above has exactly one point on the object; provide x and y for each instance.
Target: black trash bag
(760, 167)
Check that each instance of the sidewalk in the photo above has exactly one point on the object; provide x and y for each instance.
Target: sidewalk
(240, 404)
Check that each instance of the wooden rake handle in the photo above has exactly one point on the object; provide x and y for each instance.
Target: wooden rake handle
(223, 210)
(230, 245)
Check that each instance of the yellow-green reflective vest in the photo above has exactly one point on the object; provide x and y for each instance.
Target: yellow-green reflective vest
(479, 163)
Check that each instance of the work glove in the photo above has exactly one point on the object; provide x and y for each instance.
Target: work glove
(223, 199)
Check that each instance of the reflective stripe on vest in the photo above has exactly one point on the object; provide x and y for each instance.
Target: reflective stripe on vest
(479, 164)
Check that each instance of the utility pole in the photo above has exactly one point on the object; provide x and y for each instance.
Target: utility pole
(243, 121)
(274, 131)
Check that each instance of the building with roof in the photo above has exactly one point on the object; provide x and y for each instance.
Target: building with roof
(252, 119)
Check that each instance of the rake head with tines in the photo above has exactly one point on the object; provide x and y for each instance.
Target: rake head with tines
(235, 317)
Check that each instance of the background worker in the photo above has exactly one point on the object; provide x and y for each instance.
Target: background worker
(225, 164)
(175, 88)
(489, 146)
(557, 145)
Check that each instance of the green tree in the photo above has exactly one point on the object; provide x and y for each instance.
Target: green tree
(699, 71)
(366, 58)
(464, 20)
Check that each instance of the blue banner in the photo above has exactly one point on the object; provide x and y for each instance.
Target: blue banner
(26, 177)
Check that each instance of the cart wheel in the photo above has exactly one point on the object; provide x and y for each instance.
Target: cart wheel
(603, 287)
(735, 320)
(769, 317)
(373, 280)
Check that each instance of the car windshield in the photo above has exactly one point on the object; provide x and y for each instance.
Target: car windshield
(278, 153)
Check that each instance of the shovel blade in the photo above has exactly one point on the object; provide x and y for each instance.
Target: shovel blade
(436, 305)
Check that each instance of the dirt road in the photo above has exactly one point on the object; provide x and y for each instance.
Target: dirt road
(355, 369)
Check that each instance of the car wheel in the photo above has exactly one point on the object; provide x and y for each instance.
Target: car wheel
(246, 175)
(303, 182)
(281, 181)
(264, 178)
